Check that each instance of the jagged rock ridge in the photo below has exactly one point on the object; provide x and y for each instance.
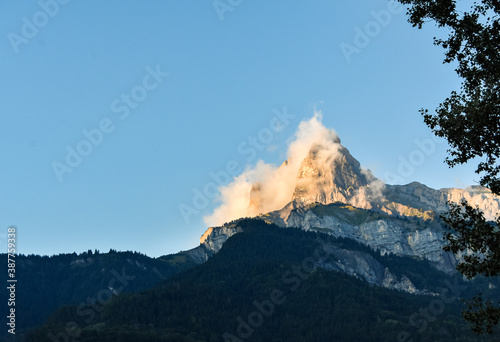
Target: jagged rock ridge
(328, 179)
(340, 178)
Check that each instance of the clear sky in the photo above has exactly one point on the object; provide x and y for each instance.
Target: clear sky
(114, 114)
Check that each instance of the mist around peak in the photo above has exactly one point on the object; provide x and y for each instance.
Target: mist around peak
(274, 186)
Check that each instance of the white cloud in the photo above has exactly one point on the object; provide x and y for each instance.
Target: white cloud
(277, 184)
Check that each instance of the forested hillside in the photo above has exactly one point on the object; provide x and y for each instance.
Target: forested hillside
(265, 285)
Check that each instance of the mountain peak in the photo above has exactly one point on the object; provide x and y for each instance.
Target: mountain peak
(327, 176)
(330, 174)
(319, 169)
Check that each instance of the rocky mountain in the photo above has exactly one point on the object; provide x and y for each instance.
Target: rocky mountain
(335, 195)
(339, 177)
(399, 235)
(417, 195)
(326, 178)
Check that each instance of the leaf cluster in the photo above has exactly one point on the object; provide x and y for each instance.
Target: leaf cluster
(470, 118)
(478, 241)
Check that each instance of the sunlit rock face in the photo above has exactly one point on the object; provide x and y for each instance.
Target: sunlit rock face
(339, 178)
(331, 174)
(417, 195)
(214, 237)
(255, 198)
(325, 178)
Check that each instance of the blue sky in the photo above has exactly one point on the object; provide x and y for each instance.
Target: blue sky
(157, 95)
